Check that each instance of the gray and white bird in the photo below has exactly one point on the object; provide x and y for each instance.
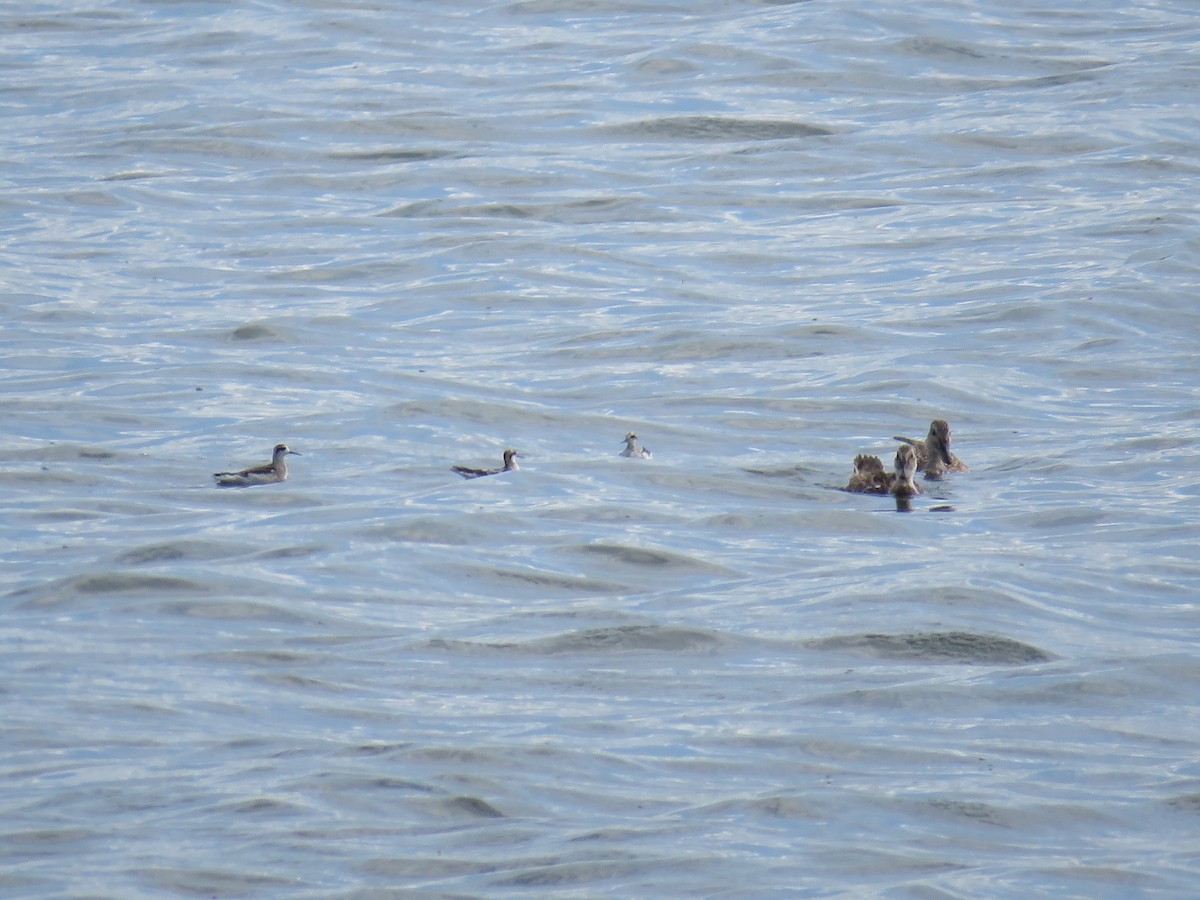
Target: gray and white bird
(272, 473)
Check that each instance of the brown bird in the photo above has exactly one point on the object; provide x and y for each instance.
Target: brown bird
(933, 453)
(903, 485)
(869, 476)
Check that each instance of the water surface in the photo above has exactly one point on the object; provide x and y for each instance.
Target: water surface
(765, 236)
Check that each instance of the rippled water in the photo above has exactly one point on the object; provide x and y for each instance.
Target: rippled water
(765, 236)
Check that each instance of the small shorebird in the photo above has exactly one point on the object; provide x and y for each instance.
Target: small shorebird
(933, 453)
(634, 449)
(272, 473)
(870, 477)
(510, 465)
(903, 486)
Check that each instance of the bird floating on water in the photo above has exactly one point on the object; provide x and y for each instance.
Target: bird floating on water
(903, 486)
(933, 453)
(510, 465)
(634, 449)
(870, 477)
(272, 473)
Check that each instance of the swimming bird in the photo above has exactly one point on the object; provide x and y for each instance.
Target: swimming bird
(933, 453)
(903, 486)
(870, 477)
(273, 472)
(510, 465)
(634, 448)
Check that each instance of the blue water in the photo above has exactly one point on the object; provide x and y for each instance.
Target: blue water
(766, 237)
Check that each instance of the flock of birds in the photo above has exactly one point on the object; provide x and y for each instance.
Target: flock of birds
(276, 470)
(931, 455)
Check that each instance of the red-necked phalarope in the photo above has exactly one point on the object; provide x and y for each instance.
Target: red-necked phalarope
(510, 465)
(273, 472)
(933, 453)
(634, 449)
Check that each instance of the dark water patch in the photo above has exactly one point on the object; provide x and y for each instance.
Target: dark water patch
(1066, 143)
(1034, 146)
(457, 756)
(281, 495)
(176, 551)
(648, 558)
(417, 209)
(1144, 443)
(665, 66)
(94, 199)
(908, 700)
(797, 472)
(938, 646)
(1063, 518)
(290, 552)
(376, 748)
(59, 452)
(262, 658)
(733, 522)
(133, 175)
(1187, 803)
(545, 581)
(60, 515)
(965, 811)
(39, 841)
(619, 835)
(398, 868)
(342, 783)
(214, 882)
(832, 202)
(234, 610)
(264, 807)
(500, 411)
(115, 584)
(195, 145)
(256, 333)
(473, 807)
(396, 154)
(686, 345)
(428, 530)
(576, 8)
(666, 639)
(598, 871)
(938, 49)
(621, 638)
(443, 208)
(715, 128)
(780, 806)
(304, 683)
(578, 212)
(604, 514)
